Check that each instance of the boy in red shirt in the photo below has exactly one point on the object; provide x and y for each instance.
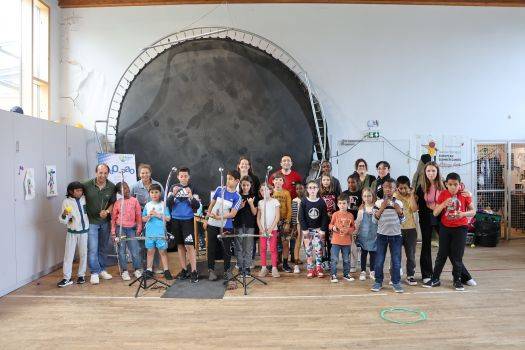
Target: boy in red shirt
(342, 226)
(454, 208)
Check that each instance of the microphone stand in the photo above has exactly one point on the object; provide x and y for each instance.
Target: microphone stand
(143, 279)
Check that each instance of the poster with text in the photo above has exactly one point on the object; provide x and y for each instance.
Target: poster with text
(120, 165)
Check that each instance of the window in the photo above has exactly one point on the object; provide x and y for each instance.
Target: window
(10, 63)
(40, 100)
(24, 56)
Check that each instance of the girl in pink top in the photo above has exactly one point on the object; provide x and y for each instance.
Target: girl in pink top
(127, 213)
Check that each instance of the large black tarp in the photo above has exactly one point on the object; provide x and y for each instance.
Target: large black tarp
(204, 103)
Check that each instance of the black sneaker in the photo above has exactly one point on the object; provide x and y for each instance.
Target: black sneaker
(458, 286)
(64, 283)
(148, 274)
(287, 268)
(81, 280)
(194, 277)
(411, 281)
(432, 283)
(183, 275)
(167, 275)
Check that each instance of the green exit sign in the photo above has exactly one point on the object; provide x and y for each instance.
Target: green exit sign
(373, 134)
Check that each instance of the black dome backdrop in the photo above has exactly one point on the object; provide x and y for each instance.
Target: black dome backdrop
(204, 103)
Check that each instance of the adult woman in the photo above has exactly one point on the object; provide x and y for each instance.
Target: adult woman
(245, 169)
(140, 189)
(427, 193)
(365, 179)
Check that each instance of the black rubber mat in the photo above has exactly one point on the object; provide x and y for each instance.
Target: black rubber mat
(203, 289)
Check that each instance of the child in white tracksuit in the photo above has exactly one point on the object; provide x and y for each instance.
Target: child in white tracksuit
(73, 214)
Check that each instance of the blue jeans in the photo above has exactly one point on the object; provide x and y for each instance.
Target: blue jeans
(98, 240)
(334, 257)
(133, 247)
(395, 243)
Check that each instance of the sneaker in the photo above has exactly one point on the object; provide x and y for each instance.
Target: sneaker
(320, 272)
(183, 274)
(212, 276)
(390, 283)
(353, 269)
(105, 275)
(275, 272)
(64, 283)
(411, 281)
(376, 287)
(425, 280)
(348, 278)
(194, 277)
(471, 283)
(287, 268)
(372, 275)
(263, 272)
(362, 276)
(148, 274)
(81, 280)
(159, 271)
(334, 279)
(458, 286)
(398, 288)
(167, 275)
(310, 273)
(125, 276)
(94, 279)
(137, 273)
(432, 284)
(296, 269)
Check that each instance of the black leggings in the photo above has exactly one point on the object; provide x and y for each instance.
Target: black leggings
(363, 259)
(213, 242)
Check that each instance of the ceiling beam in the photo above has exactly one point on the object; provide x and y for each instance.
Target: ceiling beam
(112, 3)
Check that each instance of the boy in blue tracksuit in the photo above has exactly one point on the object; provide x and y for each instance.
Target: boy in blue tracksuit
(182, 205)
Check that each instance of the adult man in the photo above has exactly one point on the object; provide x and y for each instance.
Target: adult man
(100, 196)
(291, 177)
(326, 169)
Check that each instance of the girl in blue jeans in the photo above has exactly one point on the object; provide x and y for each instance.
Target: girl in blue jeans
(366, 233)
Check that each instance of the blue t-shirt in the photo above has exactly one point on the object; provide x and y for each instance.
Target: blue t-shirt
(232, 200)
(155, 226)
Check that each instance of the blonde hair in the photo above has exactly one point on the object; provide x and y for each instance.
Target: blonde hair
(369, 190)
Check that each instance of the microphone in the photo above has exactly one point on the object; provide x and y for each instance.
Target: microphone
(221, 169)
(269, 168)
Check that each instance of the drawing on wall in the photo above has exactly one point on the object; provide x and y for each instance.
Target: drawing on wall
(29, 184)
(51, 180)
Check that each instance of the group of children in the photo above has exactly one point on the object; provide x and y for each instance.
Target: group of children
(327, 224)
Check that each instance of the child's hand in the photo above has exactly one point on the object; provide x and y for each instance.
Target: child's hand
(384, 204)
(65, 213)
(153, 212)
(250, 200)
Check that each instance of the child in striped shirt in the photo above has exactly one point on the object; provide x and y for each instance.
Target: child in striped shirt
(388, 213)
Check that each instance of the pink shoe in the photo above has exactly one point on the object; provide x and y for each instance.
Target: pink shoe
(310, 273)
(320, 272)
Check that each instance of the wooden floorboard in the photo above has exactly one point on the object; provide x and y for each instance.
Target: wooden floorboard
(290, 312)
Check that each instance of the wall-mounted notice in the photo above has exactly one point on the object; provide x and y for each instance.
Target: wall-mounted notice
(51, 181)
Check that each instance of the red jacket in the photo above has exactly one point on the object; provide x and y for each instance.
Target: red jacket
(131, 216)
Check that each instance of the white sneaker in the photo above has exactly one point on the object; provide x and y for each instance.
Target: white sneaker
(275, 272)
(425, 280)
(125, 276)
(362, 276)
(471, 282)
(138, 273)
(105, 275)
(263, 272)
(296, 269)
(372, 275)
(159, 272)
(94, 279)
(390, 283)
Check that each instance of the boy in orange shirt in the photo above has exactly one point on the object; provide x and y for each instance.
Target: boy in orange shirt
(285, 215)
(342, 226)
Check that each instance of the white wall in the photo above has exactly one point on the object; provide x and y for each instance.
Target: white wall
(32, 238)
(417, 69)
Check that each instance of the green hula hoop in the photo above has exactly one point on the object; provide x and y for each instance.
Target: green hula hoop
(422, 315)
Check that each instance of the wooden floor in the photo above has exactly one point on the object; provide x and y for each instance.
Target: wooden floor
(289, 313)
